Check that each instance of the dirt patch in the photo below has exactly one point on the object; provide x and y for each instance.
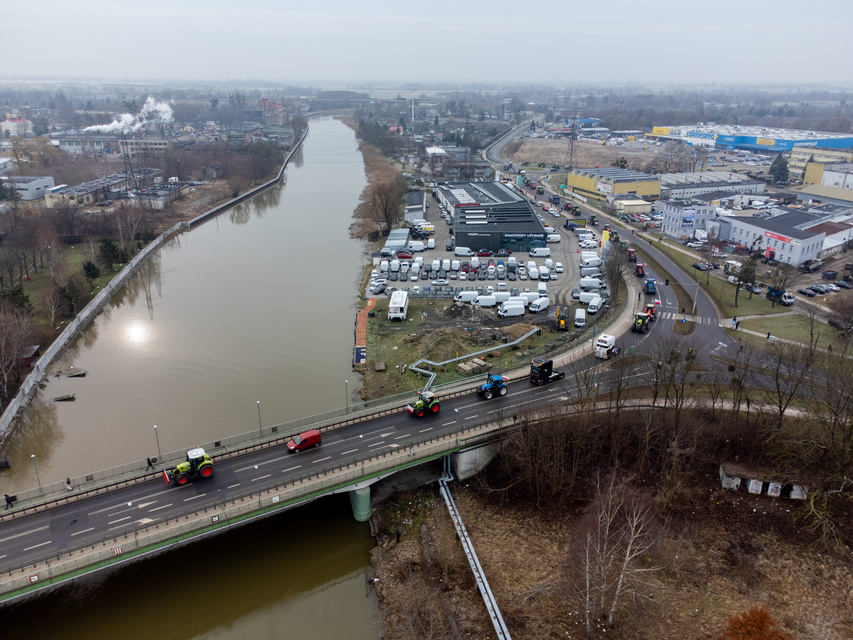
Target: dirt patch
(553, 151)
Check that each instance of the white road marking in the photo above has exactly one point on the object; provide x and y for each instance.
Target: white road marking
(79, 532)
(403, 436)
(142, 505)
(343, 454)
(376, 444)
(321, 459)
(119, 520)
(427, 429)
(230, 486)
(120, 526)
(449, 423)
(363, 435)
(158, 508)
(25, 533)
(38, 545)
(296, 467)
(201, 495)
(472, 417)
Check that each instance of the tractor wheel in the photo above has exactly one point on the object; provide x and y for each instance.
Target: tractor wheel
(502, 391)
(434, 408)
(419, 412)
(206, 472)
(488, 394)
(182, 479)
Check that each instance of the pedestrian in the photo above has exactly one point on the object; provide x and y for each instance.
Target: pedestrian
(68, 483)
(737, 325)
(682, 310)
(829, 348)
(768, 335)
(8, 501)
(412, 451)
(514, 419)
(150, 464)
(632, 231)
(398, 536)
(741, 349)
(639, 295)
(734, 322)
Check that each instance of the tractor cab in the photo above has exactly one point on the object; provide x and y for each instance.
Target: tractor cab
(426, 396)
(632, 255)
(651, 310)
(641, 323)
(640, 270)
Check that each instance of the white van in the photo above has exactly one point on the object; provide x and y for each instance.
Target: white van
(445, 264)
(590, 272)
(539, 305)
(592, 284)
(519, 299)
(542, 290)
(510, 310)
(436, 265)
(540, 252)
(588, 296)
(544, 273)
(395, 265)
(595, 304)
(501, 296)
(463, 252)
(580, 318)
(454, 265)
(484, 301)
(416, 245)
(510, 264)
(530, 296)
(465, 296)
(475, 263)
(418, 222)
(549, 263)
(586, 236)
(589, 255)
(533, 273)
(431, 243)
(383, 266)
(553, 237)
(590, 262)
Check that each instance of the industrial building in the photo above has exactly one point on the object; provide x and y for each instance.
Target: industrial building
(791, 238)
(415, 205)
(802, 156)
(30, 188)
(681, 186)
(751, 138)
(490, 215)
(682, 217)
(104, 188)
(598, 184)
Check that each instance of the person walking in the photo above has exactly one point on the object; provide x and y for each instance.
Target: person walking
(829, 348)
(737, 325)
(398, 536)
(8, 500)
(68, 484)
(150, 464)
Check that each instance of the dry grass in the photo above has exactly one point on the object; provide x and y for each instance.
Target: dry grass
(553, 151)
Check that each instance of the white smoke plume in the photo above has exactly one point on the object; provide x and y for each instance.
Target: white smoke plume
(152, 112)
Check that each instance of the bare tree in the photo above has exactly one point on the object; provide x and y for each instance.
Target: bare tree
(780, 277)
(16, 330)
(787, 367)
(385, 202)
(614, 270)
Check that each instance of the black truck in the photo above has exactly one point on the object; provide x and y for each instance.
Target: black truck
(542, 371)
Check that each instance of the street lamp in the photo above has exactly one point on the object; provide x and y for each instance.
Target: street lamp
(159, 454)
(346, 393)
(260, 428)
(33, 456)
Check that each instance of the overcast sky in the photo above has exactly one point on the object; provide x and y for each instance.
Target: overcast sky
(343, 42)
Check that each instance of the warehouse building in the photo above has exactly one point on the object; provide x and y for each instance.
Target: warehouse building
(802, 156)
(490, 215)
(751, 138)
(791, 238)
(598, 184)
(683, 186)
(30, 188)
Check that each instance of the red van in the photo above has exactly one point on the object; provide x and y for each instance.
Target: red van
(304, 441)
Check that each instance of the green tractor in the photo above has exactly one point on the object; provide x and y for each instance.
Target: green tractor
(197, 465)
(426, 403)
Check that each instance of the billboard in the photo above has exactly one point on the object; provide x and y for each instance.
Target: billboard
(687, 217)
(604, 187)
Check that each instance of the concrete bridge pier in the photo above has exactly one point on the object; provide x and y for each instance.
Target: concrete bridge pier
(360, 501)
(469, 462)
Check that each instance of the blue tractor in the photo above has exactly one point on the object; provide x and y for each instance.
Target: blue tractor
(649, 287)
(495, 385)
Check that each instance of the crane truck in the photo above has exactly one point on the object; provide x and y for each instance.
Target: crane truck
(197, 465)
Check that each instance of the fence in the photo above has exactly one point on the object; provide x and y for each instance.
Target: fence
(31, 382)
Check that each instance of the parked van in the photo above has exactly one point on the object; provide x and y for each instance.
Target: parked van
(580, 318)
(436, 265)
(553, 237)
(590, 262)
(445, 264)
(416, 245)
(592, 284)
(484, 301)
(395, 265)
(533, 273)
(588, 296)
(595, 304)
(465, 296)
(507, 310)
(463, 252)
(304, 441)
(589, 255)
(383, 266)
(540, 252)
(475, 263)
(549, 263)
(590, 272)
(431, 243)
(511, 264)
(454, 265)
(419, 222)
(501, 296)
(544, 273)
(542, 290)
(581, 231)
(519, 299)
(586, 236)
(539, 305)
(530, 296)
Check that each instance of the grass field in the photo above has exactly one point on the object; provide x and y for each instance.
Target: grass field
(794, 327)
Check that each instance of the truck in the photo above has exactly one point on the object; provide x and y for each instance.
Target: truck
(605, 346)
(542, 371)
(495, 385)
(399, 306)
(426, 403)
(649, 287)
(640, 270)
(555, 199)
(641, 323)
(810, 266)
(197, 465)
(780, 296)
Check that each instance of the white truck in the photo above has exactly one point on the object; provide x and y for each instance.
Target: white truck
(605, 346)
(399, 306)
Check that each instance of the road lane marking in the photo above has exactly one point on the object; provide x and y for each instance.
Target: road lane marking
(25, 533)
(115, 506)
(119, 520)
(38, 545)
(158, 508)
(291, 468)
(376, 444)
(126, 524)
(343, 454)
(84, 531)
(449, 423)
(261, 464)
(362, 435)
(230, 486)
(427, 429)
(321, 459)
(201, 495)
(472, 417)
(401, 437)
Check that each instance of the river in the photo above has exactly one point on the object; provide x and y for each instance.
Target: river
(247, 318)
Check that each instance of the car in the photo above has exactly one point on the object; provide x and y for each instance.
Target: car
(755, 289)
(439, 283)
(105, 203)
(576, 294)
(503, 253)
(843, 284)
(700, 265)
(553, 275)
(694, 245)
(806, 292)
(481, 275)
(465, 267)
(832, 287)
(393, 276)
(588, 244)
(558, 267)
(376, 289)
(404, 254)
(449, 245)
(511, 277)
(425, 275)
(484, 253)
(544, 207)
(453, 275)
(817, 290)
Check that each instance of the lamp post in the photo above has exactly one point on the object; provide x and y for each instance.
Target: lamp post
(346, 393)
(159, 454)
(260, 428)
(35, 466)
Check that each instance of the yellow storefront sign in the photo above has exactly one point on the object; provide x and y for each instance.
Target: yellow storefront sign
(768, 142)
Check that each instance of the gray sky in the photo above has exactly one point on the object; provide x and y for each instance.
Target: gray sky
(341, 41)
